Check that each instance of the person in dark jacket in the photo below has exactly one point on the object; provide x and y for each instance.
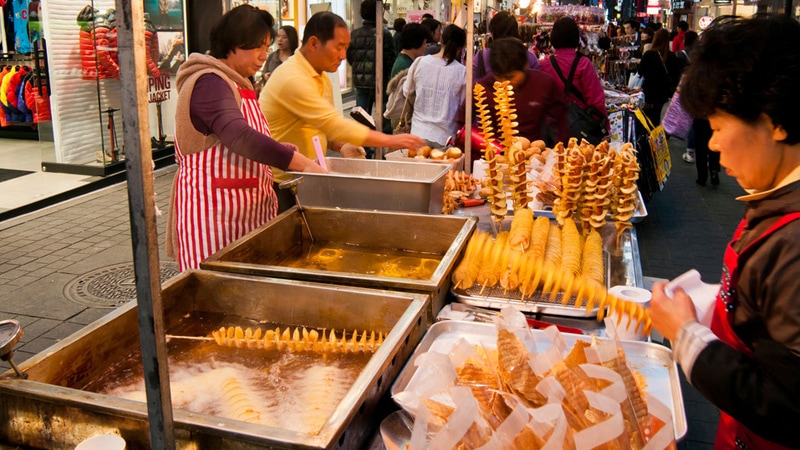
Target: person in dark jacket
(361, 56)
(746, 359)
(661, 71)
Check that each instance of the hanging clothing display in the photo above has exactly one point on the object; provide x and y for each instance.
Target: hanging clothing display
(22, 41)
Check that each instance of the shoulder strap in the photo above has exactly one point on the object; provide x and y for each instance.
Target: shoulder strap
(481, 65)
(568, 86)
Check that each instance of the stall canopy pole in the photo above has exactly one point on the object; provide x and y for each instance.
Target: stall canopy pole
(141, 199)
(378, 73)
(468, 101)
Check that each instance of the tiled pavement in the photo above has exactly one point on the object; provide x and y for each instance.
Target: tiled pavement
(43, 252)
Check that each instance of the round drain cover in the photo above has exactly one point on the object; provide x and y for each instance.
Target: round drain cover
(110, 286)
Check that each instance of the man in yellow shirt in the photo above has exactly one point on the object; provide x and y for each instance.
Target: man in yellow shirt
(298, 98)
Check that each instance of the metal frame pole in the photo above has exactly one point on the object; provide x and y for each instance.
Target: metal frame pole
(141, 198)
(470, 85)
(378, 73)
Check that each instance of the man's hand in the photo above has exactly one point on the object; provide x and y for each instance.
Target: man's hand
(405, 140)
(353, 151)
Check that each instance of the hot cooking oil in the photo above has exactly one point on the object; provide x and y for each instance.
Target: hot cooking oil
(368, 260)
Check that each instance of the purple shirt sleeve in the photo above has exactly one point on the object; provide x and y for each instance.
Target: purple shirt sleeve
(214, 110)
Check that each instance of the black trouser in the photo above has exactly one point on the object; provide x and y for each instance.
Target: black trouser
(707, 162)
(653, 112)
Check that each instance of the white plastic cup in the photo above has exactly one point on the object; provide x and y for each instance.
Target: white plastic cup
(102, 442)
(628, 328)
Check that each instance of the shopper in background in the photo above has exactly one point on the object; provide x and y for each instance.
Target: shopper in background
(287, 42)
(747, 362)
(660, 69)
(565, 38)
(298, 100)
(541, 109)
(415, 38)
(223, 186)
(691, 141)
(647, 38)
(435, 38)
(397, 37)
(361, 56)
(678, 42)
(502, 25)
(439, 82)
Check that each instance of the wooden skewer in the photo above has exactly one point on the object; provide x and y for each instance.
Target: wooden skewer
(191, 338)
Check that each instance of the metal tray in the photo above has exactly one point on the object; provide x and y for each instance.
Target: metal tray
(50, 409)
(653, 361)
(622, 268)
(260, 252)
(639, 214)
(375, 184)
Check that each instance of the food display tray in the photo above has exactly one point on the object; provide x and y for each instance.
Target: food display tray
(653, 361)
(622, 268)
(639, 214)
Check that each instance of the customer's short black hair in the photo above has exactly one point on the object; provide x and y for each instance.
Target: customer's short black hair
(689, 39)
(683, 25)
(565, 34)
(399, 24)
(414, 36)
(507, 55)
(368, 10)
(503, 25)
(765, 78)
(244, 27)
(322, 25)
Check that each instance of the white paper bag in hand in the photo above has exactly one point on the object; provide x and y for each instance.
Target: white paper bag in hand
(703, 295)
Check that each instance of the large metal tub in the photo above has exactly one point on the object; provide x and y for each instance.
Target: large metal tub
(375, 184)
(47, 411)
(261, 251)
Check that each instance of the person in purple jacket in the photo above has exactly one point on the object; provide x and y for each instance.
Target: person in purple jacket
(503, 25)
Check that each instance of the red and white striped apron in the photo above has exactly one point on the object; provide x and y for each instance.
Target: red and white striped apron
(220, 196)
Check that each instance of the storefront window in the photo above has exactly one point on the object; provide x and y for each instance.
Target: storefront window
(84, 82)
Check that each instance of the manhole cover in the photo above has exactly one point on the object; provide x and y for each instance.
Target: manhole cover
(110, 286)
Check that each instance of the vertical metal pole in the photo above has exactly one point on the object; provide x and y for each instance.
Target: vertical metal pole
(141, 198)
(469, 90)
(378, 72)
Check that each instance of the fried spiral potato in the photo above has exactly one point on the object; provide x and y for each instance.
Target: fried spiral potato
(570, 248)
(466, 272)
(521, 228)
(592, 258)
(539, 236)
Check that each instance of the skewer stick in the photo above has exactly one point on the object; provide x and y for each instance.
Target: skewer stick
(191, 338)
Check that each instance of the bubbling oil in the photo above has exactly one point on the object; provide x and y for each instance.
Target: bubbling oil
(367, 260)
(282, 389)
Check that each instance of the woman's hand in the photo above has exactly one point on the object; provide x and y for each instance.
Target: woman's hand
(405, 140)
(301, 163)
(669, 315)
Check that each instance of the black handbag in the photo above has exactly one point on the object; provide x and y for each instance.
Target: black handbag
(584, 122)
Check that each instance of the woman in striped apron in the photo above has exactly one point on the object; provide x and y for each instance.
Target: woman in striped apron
(744, 78)
(223, 186)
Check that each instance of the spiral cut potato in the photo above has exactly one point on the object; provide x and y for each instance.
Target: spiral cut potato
(521, 229)
(496, 193)
(298, 340)
(570, 265)
(626, 169)
(592, 182)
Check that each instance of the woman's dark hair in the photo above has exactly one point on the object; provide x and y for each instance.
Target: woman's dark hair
(244, 27)
(399, 24)
(747, 67)
(291, 34)
(689, 39)
(454, 39)
(432, 25)
(504, 25)
(414, 36)
(565, 34)
(508, 55)
(322, 25)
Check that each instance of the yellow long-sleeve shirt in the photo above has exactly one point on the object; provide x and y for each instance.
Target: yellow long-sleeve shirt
(298, 104)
